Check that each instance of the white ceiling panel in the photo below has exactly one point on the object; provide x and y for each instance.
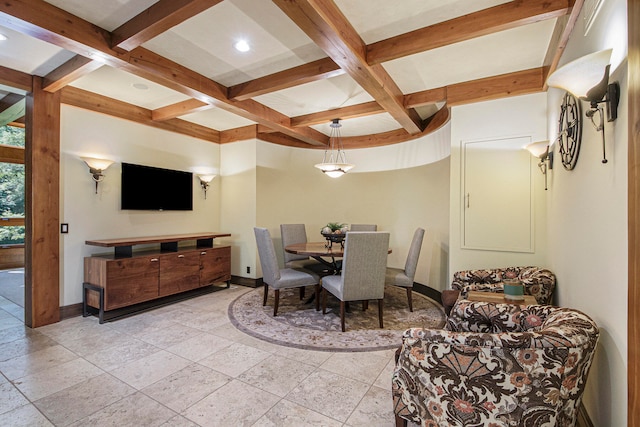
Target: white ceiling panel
(473, 59)
(376, 123)
(217, 119)
(377, 20)
(328, 94)
(109, 14)
(119, 85)
(276, 43)
(29, 55)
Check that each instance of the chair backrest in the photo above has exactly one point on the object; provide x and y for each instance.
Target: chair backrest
(411, 264)
(267, 254)
(291, 234)
(363, 227)
(364, 265)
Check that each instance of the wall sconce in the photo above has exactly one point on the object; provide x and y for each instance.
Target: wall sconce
(587, 78)
(204, 182)
(542, 151)
(96, 167)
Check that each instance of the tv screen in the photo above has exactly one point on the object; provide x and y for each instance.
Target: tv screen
(149, 188)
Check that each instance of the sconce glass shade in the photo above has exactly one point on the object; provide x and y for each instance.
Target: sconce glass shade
(583, 74)
(538, 149)
(206, 178)
(97, 164)
(334, 163)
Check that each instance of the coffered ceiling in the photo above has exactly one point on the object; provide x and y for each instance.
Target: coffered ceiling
(390, 70)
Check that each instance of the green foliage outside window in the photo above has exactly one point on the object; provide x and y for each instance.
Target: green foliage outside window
(11, 188)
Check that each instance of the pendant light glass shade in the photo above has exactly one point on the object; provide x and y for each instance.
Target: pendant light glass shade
(334, 163)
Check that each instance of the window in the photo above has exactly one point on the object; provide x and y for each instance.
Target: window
(12, 207)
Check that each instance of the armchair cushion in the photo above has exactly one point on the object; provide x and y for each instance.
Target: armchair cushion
(538, 282)
(531, 371)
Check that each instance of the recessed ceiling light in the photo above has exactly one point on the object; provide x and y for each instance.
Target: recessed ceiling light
(3, 37)
(242, 46)
(140, 86)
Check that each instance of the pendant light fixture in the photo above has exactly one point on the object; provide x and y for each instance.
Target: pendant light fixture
(334, 163)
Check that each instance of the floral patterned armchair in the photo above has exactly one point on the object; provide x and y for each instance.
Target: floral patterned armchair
(495, 365)
(538, 282)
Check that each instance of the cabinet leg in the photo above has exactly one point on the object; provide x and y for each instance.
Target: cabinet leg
(88, 286)
(228, 283)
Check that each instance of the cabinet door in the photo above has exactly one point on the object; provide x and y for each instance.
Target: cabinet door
(179, 272)
(498, 198)
(130, 281)
(215, 265)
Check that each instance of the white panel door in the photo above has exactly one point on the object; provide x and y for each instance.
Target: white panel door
(497, 195)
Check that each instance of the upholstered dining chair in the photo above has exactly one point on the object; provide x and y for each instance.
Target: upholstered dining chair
(278, 278)
(363, 267)
(363, 227)
(404, 278)
(297, 233)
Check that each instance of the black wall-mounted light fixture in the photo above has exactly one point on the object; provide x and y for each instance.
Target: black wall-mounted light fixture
(205, 180)
(588, 79)
(96, 168)
(544, 152)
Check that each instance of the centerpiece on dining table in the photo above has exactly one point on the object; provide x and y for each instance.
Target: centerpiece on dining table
(334, 232)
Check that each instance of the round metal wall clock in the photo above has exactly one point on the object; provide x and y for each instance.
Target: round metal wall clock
(569, 131)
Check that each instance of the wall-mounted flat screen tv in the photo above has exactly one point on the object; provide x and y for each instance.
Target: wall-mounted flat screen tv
(150, 188)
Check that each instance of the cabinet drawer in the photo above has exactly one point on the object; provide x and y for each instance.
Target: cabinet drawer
(215, 265)
(179, 272)
(131, 281)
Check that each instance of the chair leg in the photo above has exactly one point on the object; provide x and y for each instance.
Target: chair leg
(317, 292)
(410, 299)
(266, 290)
(301, 292)
(276, 302)
(400, 422)
(365, 305)
(342, 315)
(324, 301)
(380, 312)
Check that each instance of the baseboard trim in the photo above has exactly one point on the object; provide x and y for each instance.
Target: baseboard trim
(69, 311)
(427, 291)
(245, 281)
(583, 417)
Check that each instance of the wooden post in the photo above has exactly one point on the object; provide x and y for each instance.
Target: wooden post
(42, 198)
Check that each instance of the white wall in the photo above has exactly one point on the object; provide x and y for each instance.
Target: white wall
(98, 216)
(399, 188)
(521, 116)
(587, 216)
(239, 205)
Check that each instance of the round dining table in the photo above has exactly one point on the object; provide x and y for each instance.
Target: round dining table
(320, 251)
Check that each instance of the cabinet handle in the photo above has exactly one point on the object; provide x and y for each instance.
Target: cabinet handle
(180, 256)
(203, 253)
(154, 260)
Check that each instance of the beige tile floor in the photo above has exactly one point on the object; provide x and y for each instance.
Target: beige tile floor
(181, 365)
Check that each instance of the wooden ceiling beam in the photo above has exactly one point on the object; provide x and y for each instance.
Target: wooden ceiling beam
(69, 72)
(15, 79)
(9, 100)
(317, 70)
(155, 20)
(88, 100)
(179, 109)
(487, 21)
(350, 112)
(239, 134)
(496, 87)
(425, 97)
(559, 39)
(46, 22)
(323, 22)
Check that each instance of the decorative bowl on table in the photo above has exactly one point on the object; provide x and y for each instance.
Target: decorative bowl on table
(334, 233)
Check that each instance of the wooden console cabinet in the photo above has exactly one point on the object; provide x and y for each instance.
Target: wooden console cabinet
(125, 278)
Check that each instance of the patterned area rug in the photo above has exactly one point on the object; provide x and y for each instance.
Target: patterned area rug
(299, 325)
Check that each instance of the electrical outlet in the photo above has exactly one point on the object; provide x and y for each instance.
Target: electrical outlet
(248, 270)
